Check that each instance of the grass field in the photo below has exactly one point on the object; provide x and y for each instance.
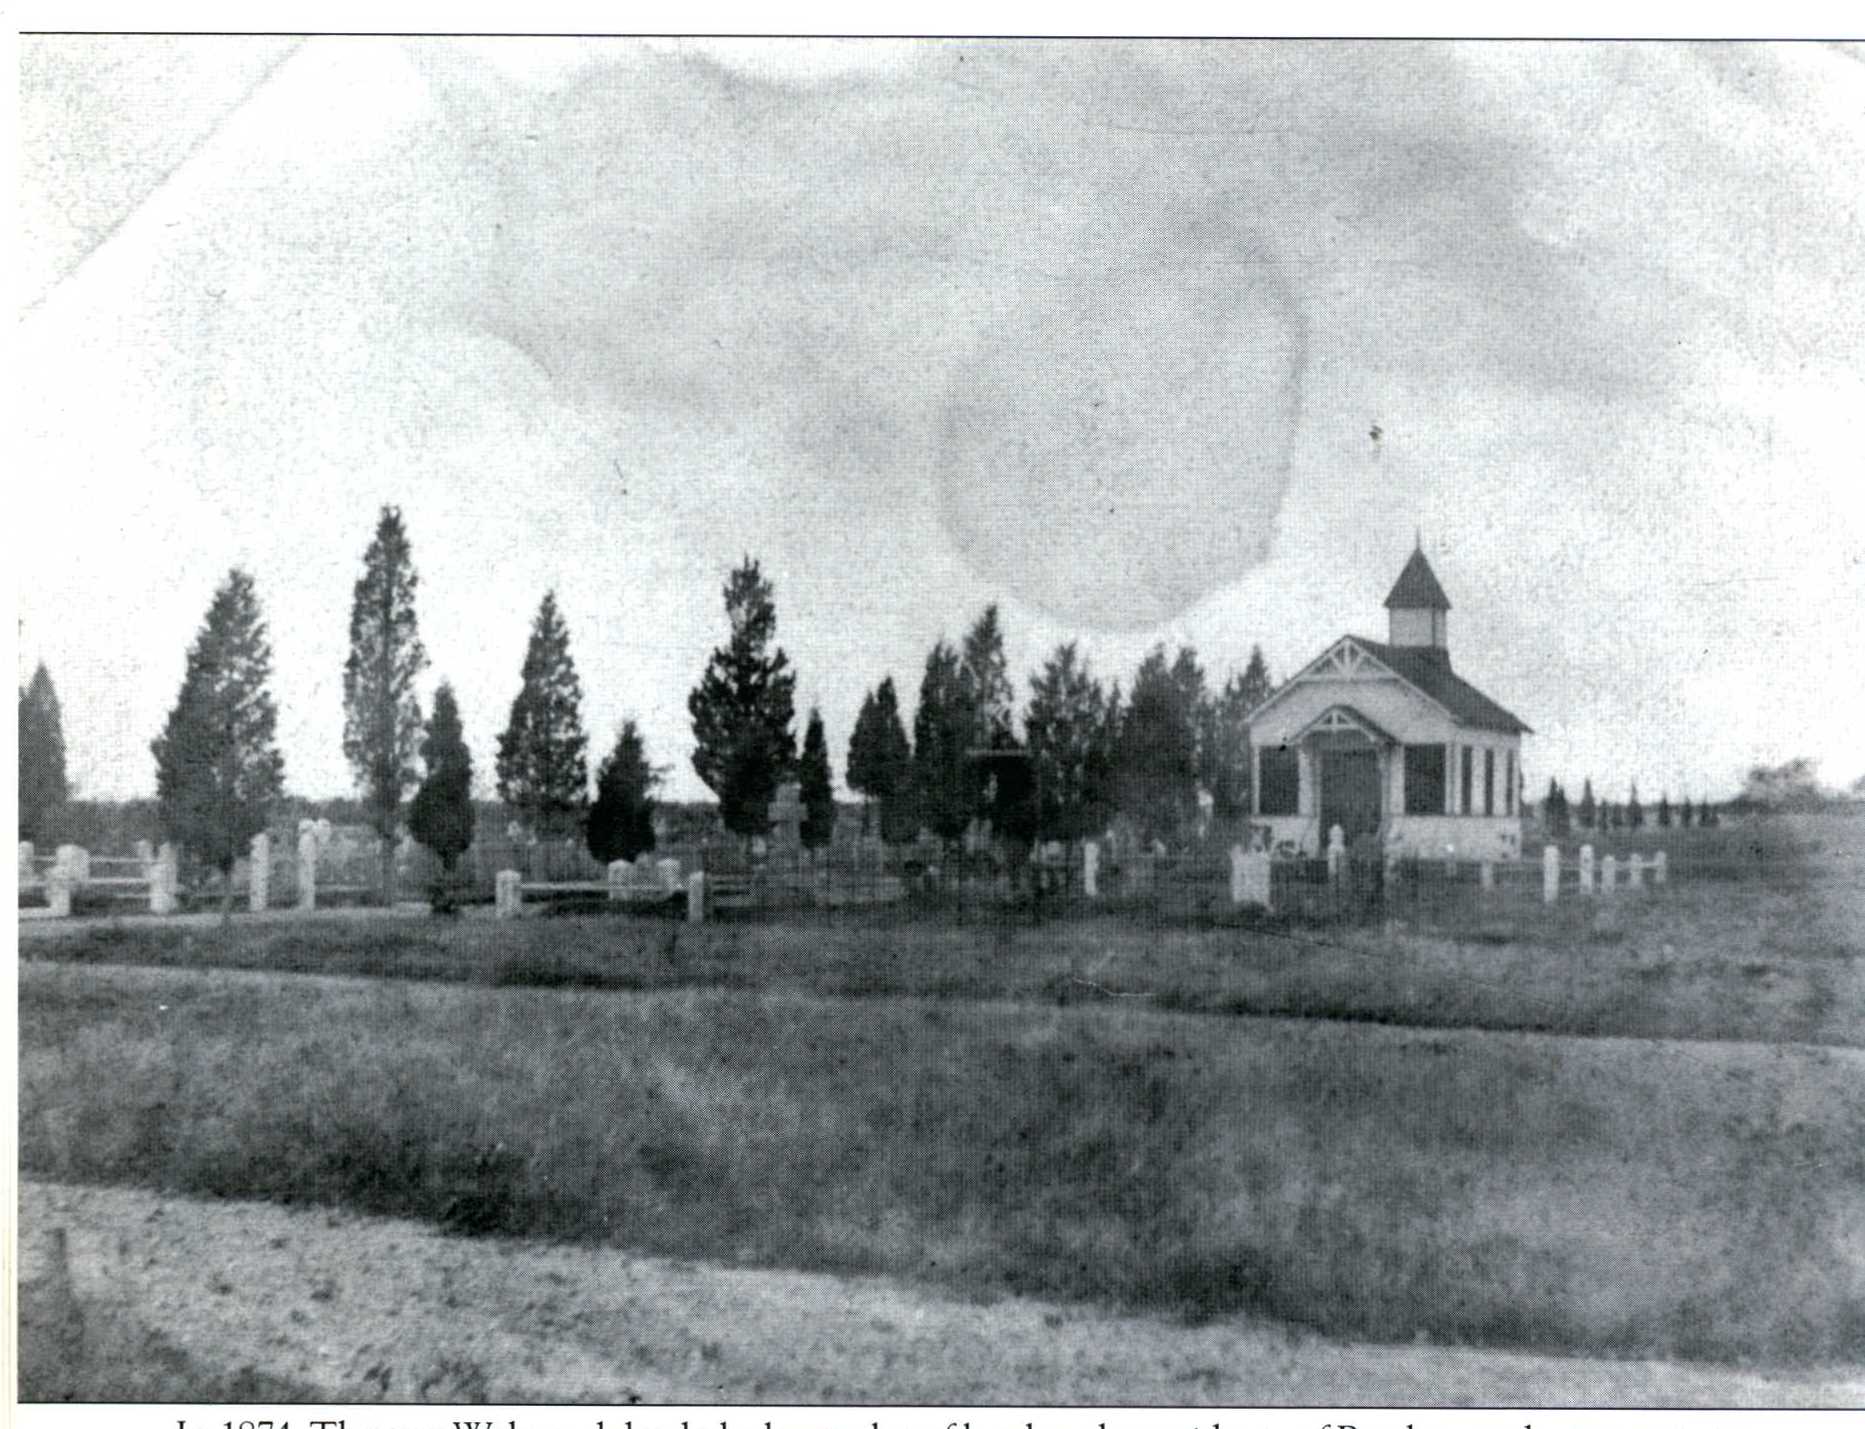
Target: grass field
(993, 1114)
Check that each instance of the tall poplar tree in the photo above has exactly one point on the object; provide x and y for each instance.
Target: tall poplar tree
(43, 789)
(217, 769)
(541, 763)
(381, 711)
(744, 706)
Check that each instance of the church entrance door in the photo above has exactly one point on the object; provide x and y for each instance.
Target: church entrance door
(1349, 792)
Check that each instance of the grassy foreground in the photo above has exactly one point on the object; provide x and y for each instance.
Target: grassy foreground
(1682, 1200)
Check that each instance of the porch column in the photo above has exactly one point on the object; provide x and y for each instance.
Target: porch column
(1452, 760)
(1256, 780)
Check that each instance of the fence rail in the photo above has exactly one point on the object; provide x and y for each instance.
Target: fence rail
(726, 880)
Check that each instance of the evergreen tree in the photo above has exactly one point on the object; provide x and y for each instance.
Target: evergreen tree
(944, 777)
(1687, 815)
(1224, 741)
(1157, 758)
(1664, 810)
(1065, 726)
(986, 677)
(621, 821)
(43, 789)
(381, 711)
(1555, 817)
(441, 814)
(541, 764)
(217, 770)
(817, 786)
(863, 756)
(1634, 811)
(880, 762)
(743, 708)
(1589, 808)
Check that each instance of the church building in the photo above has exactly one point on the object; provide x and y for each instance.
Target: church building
(1384, 739)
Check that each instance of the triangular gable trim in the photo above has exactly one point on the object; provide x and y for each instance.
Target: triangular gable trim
(1337, 716)
(1366, 657)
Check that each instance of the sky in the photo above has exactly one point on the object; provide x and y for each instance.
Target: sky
(1099, 331)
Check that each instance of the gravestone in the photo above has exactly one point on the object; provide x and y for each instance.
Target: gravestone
(621, 880)
(1586, 869)
(307, 866)
(259, 880)
(507, 893)
(1550, 874)
(1091, 869)
(786, 816)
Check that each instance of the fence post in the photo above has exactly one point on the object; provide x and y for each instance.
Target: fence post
(1635, 872)
(507, 893)
(1550, 873)
(1091, 868)
(1337, 851)
(307, 869)
(1586, 869)
(259, 885)
(695, 896)
(1608, 873)
(165, 880)
(1660, 868)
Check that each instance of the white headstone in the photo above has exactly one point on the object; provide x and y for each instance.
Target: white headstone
(1586, 868)
(1249, 876)
(165, 880)
(1486, 875)
(669, 870)
(507, 893)
(621, 880)
(1550, 874)
(695, 895)
(1635, 872)
(58, 891)
(28, 870)
(145, 854)
(75, 862)
(259, 883)
(1608, 873)
(1337, 850)
(1091, 869)
(307, 867)
(1660, 868)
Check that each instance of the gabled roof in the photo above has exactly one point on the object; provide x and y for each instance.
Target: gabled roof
(1417, 587)
(1426, 670)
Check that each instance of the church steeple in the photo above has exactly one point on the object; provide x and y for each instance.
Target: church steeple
(1419, 611)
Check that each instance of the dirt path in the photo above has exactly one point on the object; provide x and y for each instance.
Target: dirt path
(152, 1297)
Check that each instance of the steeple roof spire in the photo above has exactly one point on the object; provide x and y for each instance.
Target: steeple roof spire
(1417, 587)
